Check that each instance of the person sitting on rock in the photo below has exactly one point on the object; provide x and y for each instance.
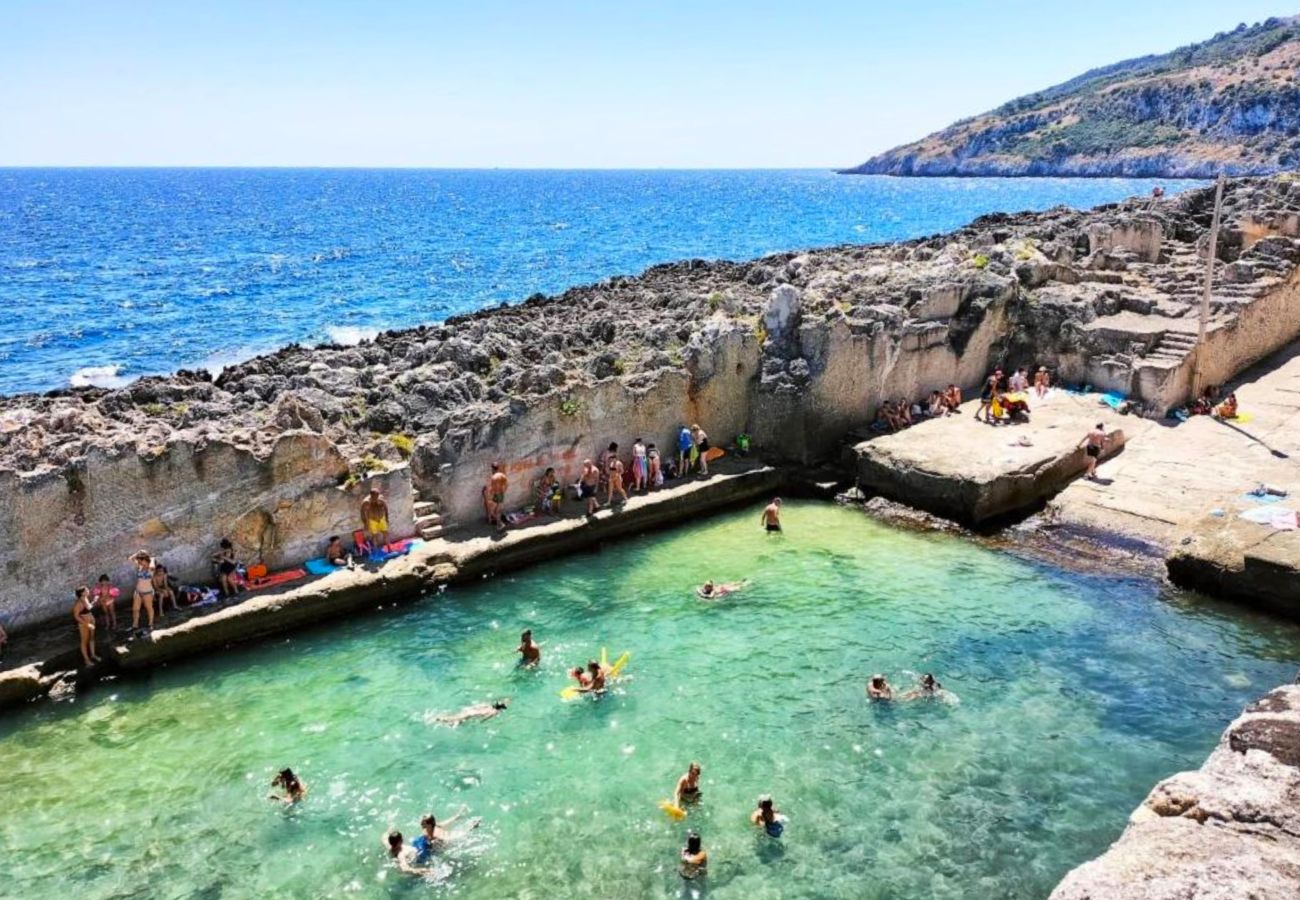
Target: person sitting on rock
(904, 413)
(162, 589)
(1227, 409)
(952, 398)
(1019, 381)
(226, 565)
(335, 555)
(1042, 382)
(936, 408)
(550, 495)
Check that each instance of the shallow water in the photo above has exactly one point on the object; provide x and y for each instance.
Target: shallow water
(108, 274)
(1075, 694)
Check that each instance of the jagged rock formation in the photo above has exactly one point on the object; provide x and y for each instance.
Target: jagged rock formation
(1229, 105)
(797, 349)
(1229, 830)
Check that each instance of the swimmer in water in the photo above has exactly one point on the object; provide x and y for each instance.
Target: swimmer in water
(530, 654)
(688, 786)
(578, 674)
(768, 817)
(695, 859)
(771, 518)
(711, 591)
(480, 712)
(405, 857)
(595, 679)
(294, 788)
(878, 688)
(433, 834)
(928, 687)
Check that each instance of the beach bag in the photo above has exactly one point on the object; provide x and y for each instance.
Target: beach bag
(257, 570)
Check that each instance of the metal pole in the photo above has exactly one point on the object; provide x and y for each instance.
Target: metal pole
(1209, 285)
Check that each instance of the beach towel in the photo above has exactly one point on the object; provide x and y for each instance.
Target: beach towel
(713, 453)
(1272, 516)
(520, 516)
(1113, 400)
(1251, 497)
(274, 579)
(1241, 418)
(320, 566)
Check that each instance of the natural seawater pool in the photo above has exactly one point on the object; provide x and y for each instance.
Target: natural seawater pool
(1077, 693)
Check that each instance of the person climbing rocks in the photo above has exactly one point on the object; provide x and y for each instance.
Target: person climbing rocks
(374, 519)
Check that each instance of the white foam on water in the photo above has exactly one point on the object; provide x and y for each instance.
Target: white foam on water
(350, 335)
(98, 376)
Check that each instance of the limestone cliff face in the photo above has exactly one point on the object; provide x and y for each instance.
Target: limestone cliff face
(1229, 830)
(1229, 105)
(797, 349)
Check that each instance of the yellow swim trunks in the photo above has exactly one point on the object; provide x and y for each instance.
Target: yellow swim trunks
(378, 525)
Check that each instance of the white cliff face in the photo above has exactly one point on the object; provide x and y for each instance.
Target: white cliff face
(1226, 831)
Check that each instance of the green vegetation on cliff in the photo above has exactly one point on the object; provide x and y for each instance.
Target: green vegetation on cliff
(1230, 104)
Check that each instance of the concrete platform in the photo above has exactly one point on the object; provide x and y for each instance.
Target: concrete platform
(461, 559)
(964, 469)
(1179, 489)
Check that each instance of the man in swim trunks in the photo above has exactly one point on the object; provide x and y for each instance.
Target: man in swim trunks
(374, 519)
(496, 492)
(771, 518)
(1093, 444)
(588, 484)
(530, 654)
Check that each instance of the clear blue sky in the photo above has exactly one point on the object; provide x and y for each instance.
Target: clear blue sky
(617, 83)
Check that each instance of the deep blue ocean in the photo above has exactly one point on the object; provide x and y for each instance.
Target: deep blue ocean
(109, 274)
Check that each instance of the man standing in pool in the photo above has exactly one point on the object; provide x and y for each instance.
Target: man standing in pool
(771, 519)
(530, 654)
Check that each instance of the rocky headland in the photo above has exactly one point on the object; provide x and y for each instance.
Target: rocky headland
(795, 349)
(1228, 105)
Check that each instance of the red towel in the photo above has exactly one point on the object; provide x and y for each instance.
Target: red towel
(276, 578)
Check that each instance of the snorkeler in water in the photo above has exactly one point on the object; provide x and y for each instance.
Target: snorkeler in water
(479, 712)
(878, 688)
(294, 788)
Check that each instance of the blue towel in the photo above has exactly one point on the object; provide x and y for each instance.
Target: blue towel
(1261, 498)
(1113, 400)
(320, 566)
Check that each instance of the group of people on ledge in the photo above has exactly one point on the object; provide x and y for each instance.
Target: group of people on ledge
(607, 480)
(1002, 399)
(153, 589)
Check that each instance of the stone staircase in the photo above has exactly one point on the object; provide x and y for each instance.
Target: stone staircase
(1173, 347)
(428, 523)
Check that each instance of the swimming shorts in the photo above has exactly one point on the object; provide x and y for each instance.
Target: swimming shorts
(586, 490)
(377, 526)
(226, 567)
(498, 498)
(771, 527)
(1094, 451)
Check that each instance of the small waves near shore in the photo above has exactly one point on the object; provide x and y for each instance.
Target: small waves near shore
(146, 271)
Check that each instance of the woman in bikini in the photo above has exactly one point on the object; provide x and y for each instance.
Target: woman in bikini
(655, 475)
(1042, 382)
(226, 566)
(83, 613)
(143, 596)
(615, 473)
(688, 786)
(162, 589)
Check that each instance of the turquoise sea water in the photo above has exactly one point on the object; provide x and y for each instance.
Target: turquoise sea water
(108, 274)
(1075, 693)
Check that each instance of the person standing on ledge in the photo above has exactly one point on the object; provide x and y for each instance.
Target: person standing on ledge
(684, 444)
(1093, 445)
(497, 484)
(530, 654)
(374, 519)
(771, 518)
(588, 483)
(701, 448)
(83, 613)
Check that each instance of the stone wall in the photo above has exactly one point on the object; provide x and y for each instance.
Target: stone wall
(63, 528)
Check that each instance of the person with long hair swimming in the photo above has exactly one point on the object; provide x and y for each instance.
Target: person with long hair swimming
(768, 817)
(695, 859)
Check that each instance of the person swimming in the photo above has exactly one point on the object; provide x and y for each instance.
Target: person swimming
(595, 679)
(878, 688)
(434, 834)
(294, 788)
(578, 674)
(695, 859)
(405, 857)
(480, 712)
(928, 688)
(711, 591)
(688, 786)
(768, 817)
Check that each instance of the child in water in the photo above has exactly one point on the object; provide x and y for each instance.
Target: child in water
(294, 789)
(695, 859)
(768, 817)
